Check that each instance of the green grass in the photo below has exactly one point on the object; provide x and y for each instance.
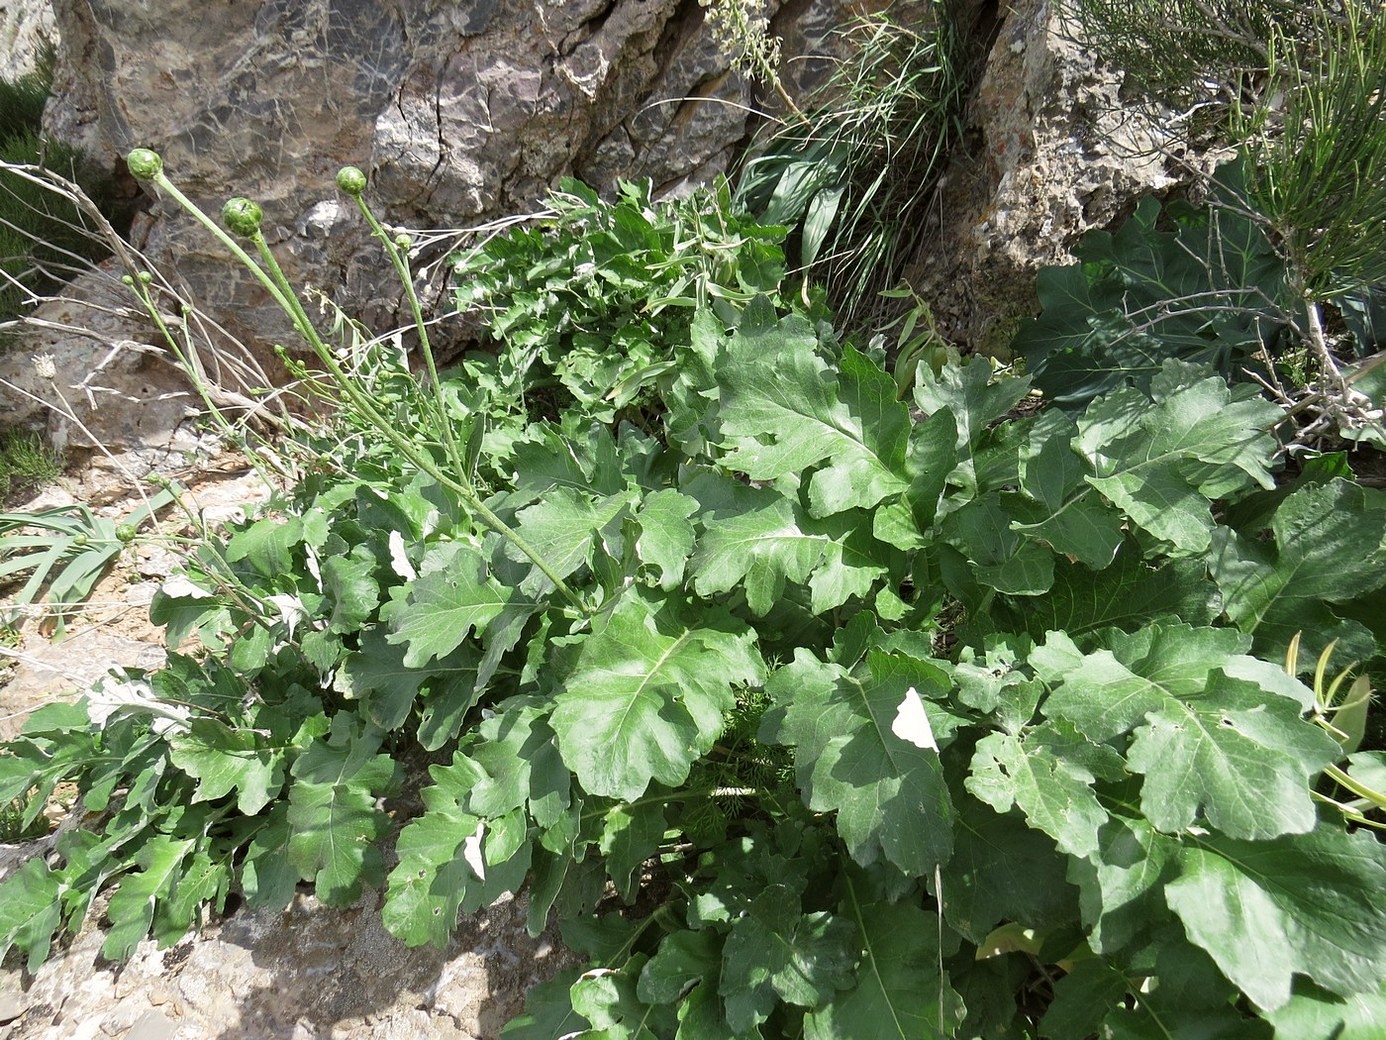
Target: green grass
(44, 239)
(856, 176)
(27, 465)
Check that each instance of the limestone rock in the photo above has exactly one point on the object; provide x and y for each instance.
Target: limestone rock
(301, 974)
(26, 27)
(459, 112)
(1055, 151)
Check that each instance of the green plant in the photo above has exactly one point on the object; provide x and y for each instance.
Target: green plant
(26, 465)
(902, 718)
(45, 236)
(591, 300)
(1300, 89)
(1344, 715)
(856, 176)
(1200, 283)
(65, 550)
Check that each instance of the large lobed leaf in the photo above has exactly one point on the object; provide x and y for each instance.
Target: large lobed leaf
(1217, 735)
(888, 792)
(647, 694)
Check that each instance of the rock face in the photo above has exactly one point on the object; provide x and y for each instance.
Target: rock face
(463, 112)
(460, 112)
(1053, 152)
(26, 26)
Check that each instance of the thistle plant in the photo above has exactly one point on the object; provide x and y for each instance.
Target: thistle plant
(242, 217)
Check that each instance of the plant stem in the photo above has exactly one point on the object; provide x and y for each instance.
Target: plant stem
(272, 277)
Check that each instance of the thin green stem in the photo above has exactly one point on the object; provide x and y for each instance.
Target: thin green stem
(400, 258)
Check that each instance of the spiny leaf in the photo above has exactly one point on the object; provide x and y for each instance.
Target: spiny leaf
(332, 811)
(775, 951)
(1160, 462)
(782, 411)
(30, 911)
(1206, 739)
(900, 993)
(223, 760)
(131, 909)
(1054, 792)
(435, 613)
(1330, 547)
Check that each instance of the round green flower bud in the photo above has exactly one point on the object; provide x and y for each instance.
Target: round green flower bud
(127, 279)
(144, 165)
(351, 180)
(146, 277)
(126, 533)
(404, 241)
(242, 216)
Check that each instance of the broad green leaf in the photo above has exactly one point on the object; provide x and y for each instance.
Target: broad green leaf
(354, 590)
(131, 910)
(30, 911)
(646, 697)
(1234, 750)
(268, 879)
(561, 529)
(888, 793)
(1121, 885)
(1154, 459)
(1001, 870)
(1053, 791)
(1329, 547)
(223, 760)
(900, 993)
(268, 545)
(1001, 558)
(377, 676)
(757, 539)
(775, 951)
(1128, 593)
(1082, 999)
(970, 390)
(875, 468)
(549, 1013)
(1074, 524)
(666, 534)
(630, 836)
(783, 410)
(684, 958)
(517, 766)
(332, 811)
(434, 613)
(1314, 1014)
(427, 886)
(608, 1000)
(1266, 911)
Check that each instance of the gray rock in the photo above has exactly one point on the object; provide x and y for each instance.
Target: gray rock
(26, 27)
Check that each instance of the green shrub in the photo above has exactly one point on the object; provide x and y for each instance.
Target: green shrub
(908, 718)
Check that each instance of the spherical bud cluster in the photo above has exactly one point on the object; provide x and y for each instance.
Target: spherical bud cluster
(351, 180)
(144, 165)
(242, 216)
